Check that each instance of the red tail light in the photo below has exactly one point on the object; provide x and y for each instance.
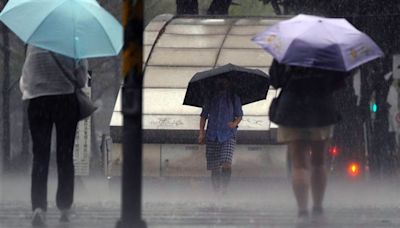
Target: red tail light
(353, 169)
(333, 151)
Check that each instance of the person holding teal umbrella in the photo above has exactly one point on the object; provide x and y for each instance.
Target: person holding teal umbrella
(68, 32)
(52, 101)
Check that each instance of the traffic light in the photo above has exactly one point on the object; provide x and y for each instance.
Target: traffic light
(374, 107)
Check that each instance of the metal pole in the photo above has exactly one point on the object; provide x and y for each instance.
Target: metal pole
(132, 112)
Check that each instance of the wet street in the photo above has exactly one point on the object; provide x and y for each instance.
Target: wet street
(188, 202)
(161, 215)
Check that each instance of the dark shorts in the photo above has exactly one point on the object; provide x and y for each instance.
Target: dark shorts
(219, 153)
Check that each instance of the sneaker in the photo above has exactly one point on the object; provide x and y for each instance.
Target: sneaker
(65, 214)
(38, 218)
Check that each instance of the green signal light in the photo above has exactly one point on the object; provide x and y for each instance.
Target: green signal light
(374, 107)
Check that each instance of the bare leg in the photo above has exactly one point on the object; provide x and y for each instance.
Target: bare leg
(216, 179)
(226, 176)
(300, 173)
(318, 173)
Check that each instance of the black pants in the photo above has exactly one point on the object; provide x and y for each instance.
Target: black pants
(43, 113)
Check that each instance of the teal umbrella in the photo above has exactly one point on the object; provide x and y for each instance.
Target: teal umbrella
(75, 28)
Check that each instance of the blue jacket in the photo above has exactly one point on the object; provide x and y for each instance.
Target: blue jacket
(220, 110)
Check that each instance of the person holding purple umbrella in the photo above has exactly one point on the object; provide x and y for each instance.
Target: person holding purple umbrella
(305, 114)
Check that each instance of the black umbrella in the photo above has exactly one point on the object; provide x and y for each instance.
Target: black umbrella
(250, 85)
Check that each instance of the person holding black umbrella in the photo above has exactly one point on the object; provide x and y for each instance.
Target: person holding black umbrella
(305, 114)
(223, 111)
(221, 92)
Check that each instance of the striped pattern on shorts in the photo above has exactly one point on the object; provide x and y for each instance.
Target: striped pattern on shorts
(219, 153)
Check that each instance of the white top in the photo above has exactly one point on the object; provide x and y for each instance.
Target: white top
(41, 76)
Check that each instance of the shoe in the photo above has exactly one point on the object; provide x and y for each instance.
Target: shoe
(38, 218)
(65, 214)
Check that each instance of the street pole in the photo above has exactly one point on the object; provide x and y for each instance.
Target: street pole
(132, 111)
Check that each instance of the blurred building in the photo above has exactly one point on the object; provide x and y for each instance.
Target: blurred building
(175, 49)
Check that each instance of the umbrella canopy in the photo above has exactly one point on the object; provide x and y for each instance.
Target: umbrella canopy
(325, 43)
(250, 85)
(75, 28)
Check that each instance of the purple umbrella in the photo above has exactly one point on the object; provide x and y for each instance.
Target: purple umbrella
(325, 43)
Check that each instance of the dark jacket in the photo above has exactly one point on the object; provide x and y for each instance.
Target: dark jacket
(306, 99)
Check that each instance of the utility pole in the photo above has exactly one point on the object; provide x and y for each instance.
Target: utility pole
(131, 205)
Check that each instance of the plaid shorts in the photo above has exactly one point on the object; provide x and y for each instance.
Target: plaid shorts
(219, 153)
